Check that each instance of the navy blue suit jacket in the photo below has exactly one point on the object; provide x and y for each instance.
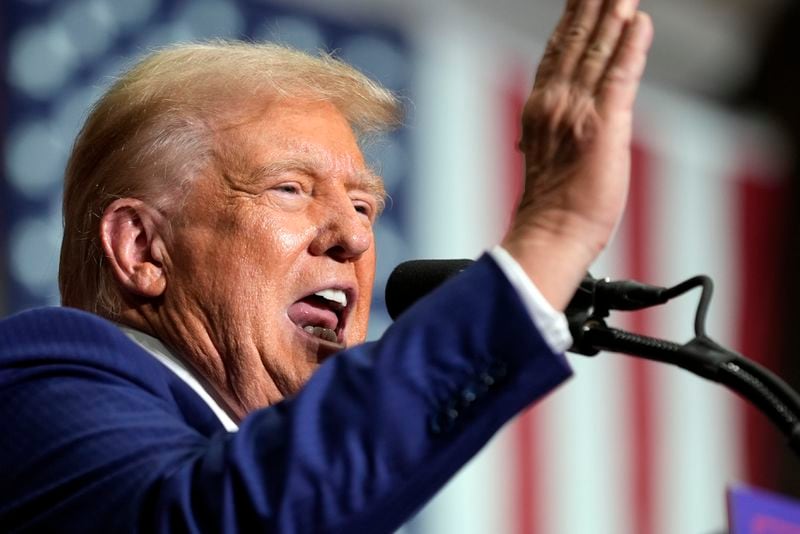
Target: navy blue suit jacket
(98, 436)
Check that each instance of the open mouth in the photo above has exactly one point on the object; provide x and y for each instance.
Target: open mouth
(322, 314)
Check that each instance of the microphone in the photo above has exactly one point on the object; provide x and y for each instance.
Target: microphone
(412, 280)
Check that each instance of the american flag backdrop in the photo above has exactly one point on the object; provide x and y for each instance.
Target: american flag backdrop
(626, 446)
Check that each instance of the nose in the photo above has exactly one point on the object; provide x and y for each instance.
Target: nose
(344, 236)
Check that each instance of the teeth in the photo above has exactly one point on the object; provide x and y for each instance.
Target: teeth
(334, 295)
(324, 333)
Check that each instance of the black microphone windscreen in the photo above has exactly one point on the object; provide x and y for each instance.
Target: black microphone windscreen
(414, 279)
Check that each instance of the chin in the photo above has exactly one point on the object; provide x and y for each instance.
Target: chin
(316, 350)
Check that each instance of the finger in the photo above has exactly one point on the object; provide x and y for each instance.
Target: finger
(567, 45)
(553, 49)
(604, 42)
(617, 90)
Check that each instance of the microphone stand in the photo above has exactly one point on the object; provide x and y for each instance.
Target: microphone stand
(702, 356)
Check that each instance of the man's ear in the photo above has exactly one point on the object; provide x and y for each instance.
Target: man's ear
(133, 245)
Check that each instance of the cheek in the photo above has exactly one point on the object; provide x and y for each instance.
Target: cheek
(365, 272)
(289, 237)
(280, 235)
(250, 249)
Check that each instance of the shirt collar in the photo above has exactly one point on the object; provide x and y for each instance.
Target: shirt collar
(188, 375)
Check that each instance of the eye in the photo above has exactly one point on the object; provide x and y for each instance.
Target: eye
(289, 188)
(363, 208)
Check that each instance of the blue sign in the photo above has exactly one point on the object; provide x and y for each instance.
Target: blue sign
(753, 511)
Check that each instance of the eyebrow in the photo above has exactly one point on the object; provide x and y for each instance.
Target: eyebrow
(365, 180)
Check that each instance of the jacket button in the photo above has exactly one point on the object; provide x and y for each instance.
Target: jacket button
(444, 421)
(451, 414)
(468, 396)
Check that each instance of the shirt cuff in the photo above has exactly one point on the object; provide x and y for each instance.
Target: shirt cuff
(551, 323)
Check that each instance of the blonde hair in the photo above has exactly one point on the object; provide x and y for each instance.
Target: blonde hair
(152, 133)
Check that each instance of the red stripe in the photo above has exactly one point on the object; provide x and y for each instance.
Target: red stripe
(763, 205)
(526, 500)
(638, 229)
(527, 504)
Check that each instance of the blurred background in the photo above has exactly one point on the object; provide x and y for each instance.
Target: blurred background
(627, 446)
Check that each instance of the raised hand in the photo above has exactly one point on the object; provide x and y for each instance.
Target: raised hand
(576, 136)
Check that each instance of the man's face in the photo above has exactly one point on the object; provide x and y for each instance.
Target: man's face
(273, 259)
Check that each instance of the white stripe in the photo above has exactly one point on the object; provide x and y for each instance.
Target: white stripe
(460, 173)
(479, 499)
(456, 208)
(697, 431)
(584, 439)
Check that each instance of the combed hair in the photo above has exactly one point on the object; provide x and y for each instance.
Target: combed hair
(152, 132)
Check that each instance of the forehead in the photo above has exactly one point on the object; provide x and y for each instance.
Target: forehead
(299, 134)
(296, 125)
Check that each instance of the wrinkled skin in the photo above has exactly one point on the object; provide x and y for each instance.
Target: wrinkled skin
(576, 136)
(217, 282)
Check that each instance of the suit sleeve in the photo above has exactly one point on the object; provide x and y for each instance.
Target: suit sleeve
(373, 435)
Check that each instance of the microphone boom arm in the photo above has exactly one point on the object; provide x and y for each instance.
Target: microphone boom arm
(701, 356)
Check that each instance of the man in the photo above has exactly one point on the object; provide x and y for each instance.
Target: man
(219, 213)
